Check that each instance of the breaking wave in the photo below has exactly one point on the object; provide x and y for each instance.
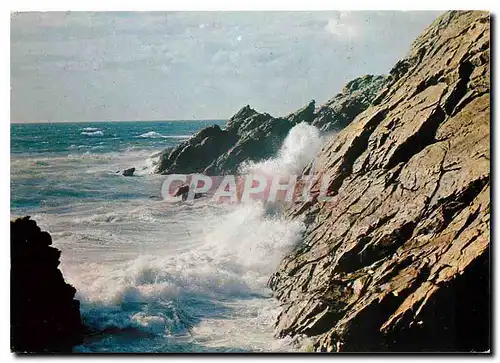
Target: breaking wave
(299, 147)
(152, 135)
(170, 276)
(205, 274)
(156, 135)
(93, 133)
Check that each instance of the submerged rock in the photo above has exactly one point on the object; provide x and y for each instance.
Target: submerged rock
(128, 172)
(45, 317)
(253, 136)
(398, 259)
(183, 191)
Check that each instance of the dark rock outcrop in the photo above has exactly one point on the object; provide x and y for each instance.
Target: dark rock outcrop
(45, 317)
(253, 136)
(196, 153)
(258, 137)
(398, 259)
(356, 96)
(128, 172)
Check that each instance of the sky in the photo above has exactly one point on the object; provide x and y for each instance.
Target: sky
(103, 66)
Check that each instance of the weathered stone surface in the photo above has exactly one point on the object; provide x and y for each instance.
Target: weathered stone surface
(253, 136)
(45, 317)
(398, 259)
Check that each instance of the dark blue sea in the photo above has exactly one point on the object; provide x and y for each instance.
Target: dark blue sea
(40, 152)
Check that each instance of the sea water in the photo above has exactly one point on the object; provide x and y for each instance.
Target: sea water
(154, 275)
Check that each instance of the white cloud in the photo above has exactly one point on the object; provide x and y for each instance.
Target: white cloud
(345, 27)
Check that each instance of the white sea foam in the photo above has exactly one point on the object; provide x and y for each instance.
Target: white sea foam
(151, 161)
(73, 146)
(90, 129)
(299, 148)
(195, 265)
(152, 135)
(191, 273)
(178, 136)
(157, 135)
(93, 133)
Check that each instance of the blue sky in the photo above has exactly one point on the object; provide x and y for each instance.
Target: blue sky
(91, 66)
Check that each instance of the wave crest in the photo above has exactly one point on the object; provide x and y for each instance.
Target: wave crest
(152, 135)
(299, 148)
(92, 133)
(157, 135)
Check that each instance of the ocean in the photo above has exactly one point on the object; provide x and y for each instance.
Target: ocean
(153, 275)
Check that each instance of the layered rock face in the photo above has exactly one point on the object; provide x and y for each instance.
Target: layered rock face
(398, 259)
(45, 317)
(253, 136)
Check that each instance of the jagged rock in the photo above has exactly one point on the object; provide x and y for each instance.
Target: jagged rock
(305, 114)
(398, 259)
(45, 317)
(260, 137)
(196, 153)
(356, 96)
(128, 172)
(253, 136)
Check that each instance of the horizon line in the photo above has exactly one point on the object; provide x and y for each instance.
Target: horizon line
(102, 121)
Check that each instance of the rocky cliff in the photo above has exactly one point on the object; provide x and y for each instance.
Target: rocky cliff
(398, 259)
(253, 136)
(45, 317)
